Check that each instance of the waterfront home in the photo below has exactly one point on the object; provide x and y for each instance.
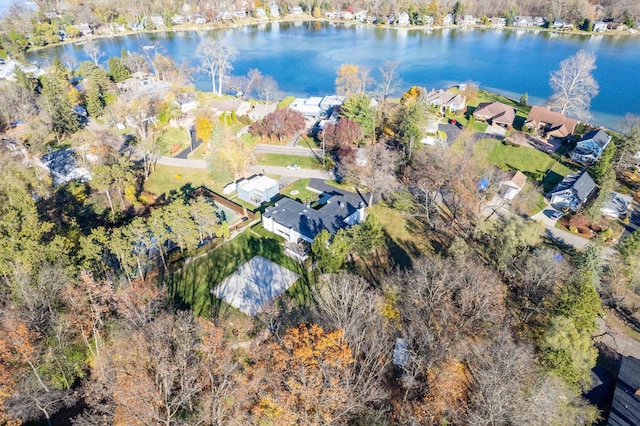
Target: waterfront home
(540, 21)
(561, 24)
(200, 20)
(403, 19)
(495, 113)
(240, 14)
(225, 16)
(347, 16)
(590, 147)
(444, 99)
(498, 22)
(136, 26)
(448, 19)
(617, 26)
(296, 10)
(177, 19)
(573, 191)
(274, 11)
(85, 29)
(260, 13)
(468, 21)
(523, 21)
(118, 28)
(158, 21)
(549, 123)
(296, 221)
(428, 20)
(599, 26)
(360, 16)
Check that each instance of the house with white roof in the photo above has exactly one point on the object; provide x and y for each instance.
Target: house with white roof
(599, 26)
(257, 190)
(158, 21)
(403, 19)
(274, 11)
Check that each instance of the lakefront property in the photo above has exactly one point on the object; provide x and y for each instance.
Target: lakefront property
(316, 214)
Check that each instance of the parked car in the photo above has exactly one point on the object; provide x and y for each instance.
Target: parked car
(557, 215)
(292, 166)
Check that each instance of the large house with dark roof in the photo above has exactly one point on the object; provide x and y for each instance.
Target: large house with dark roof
(296, 221)
(573, 191)
(590, 147)
(550, 123)
(495, 113)
(625, 407)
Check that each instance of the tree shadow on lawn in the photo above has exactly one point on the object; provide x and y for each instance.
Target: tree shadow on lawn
(191, 286)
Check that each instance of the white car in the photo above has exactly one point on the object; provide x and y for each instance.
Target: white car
(292, 166)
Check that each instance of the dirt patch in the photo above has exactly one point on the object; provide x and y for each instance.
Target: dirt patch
(617, 335)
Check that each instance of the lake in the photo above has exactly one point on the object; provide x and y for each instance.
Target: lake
(304, 57)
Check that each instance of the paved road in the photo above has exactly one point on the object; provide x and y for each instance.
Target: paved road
(286, 150)
(300, 173)
(180, 162)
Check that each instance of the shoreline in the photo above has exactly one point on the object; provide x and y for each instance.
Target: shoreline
(247, 22)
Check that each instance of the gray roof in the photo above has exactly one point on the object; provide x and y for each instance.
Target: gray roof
(625, 408)
(598, 136)
(330, 215)
(581, 184)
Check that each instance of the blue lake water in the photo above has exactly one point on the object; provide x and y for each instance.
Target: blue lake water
(304, 58)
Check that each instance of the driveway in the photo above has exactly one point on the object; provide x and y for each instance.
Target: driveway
(451, 130)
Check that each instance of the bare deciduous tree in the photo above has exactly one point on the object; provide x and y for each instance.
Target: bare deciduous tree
(377, 175)
(93, 51)
(216, 60)
(390, 81)
(573, 85)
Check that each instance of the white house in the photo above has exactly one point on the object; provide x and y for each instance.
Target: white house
(295, 221)
(257, 190)
(274, 11)
(200, 20)
(360, 16)
(260, 13)
(498, 22)
(599, 27)
(444, 99)
(177, 19)
(158, 21)
(523, 21)
(296, 10)
(403, 19)
(616, 205)
(511, 187)
(241, 14)
(448, 19)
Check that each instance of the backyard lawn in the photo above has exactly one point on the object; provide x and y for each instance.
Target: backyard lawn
(298, 191)
(190, 287)
(281, 160)
(167, 178)
(171, 136)
(537, 165)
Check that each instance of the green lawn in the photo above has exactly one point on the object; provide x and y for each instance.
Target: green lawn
(537, 165)
(171, 136)
(300, 191)
(166, 179)
(282, 160)
(190, 287)
(307, 142)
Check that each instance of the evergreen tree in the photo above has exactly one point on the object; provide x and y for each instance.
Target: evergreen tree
(63, 119)
(358, 108)
(117, 70)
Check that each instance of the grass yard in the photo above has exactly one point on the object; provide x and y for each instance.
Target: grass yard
(407, 242)
(190, 287)
(166, 179)
(298, 191)
(307, 141)
(172, 136)
(537, 165)
(281, 160)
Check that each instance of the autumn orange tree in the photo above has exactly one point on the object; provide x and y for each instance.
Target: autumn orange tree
(352, 80)
(309, 372)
